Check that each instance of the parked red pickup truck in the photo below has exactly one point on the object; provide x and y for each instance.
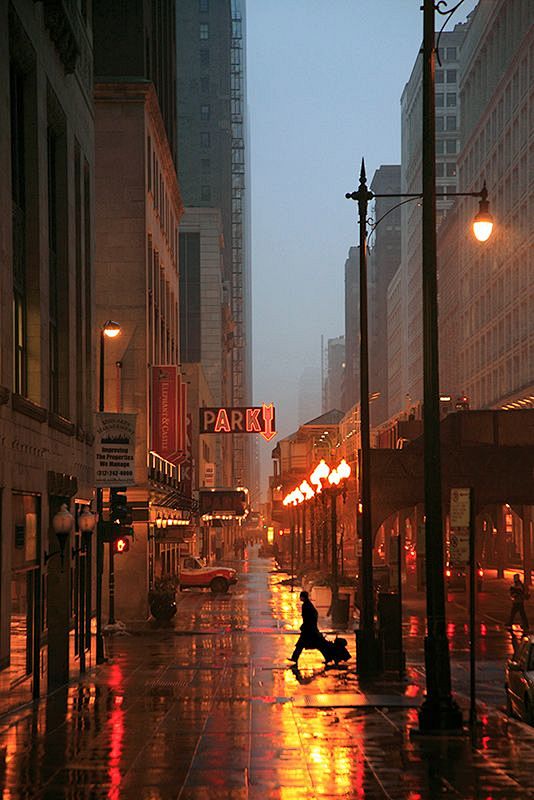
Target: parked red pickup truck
(195, 574)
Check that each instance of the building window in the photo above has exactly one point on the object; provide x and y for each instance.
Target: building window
(451, 146)
(450, 170)
(451, 99)
(440, 124)
(205, 193)
(440, 169)
(149, 163)
(204, 58)
(203, 6)
(439, 76)
(204, 31)
(450, 53)
(58, 275)
(204, 112)
(451, 76)
(440, 147)
(204, 139)
(205, 164)
(439, 100)
(18, 200)
(53, 277)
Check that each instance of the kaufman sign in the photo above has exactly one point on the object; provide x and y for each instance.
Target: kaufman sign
(256, 419)
(169, 401)
(115, 449)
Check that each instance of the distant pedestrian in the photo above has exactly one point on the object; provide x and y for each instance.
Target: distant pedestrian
(310, 636)
(519, 594)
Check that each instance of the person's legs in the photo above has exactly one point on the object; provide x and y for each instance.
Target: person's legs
(513, 613)
(523, 617)
(299, 647)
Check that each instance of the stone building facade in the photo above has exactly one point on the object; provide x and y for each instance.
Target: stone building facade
(46, 363)
(494, 320)
(138, 208)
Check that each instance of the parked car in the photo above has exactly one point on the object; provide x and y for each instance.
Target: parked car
(196, 574)
(519, 681)
(458, 577)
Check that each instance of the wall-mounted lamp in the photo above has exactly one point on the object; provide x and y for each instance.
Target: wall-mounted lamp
(86, 525)
(62, 523)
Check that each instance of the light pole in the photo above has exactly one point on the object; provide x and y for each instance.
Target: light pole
(108, 330)
(86, 526)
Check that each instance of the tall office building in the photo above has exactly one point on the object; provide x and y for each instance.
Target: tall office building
(213, 165)
(409, 280)
(47, 355)
(490, 320)
(335, 373)
(138, 209)
(384, 259)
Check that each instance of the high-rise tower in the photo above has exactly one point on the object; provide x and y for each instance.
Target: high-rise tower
(213, 168)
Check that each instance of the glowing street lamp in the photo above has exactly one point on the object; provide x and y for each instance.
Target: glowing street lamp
(483, 221)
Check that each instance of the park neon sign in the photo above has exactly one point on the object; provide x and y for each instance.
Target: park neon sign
(255, 419)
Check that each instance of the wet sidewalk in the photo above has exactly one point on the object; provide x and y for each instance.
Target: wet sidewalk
(209, 709)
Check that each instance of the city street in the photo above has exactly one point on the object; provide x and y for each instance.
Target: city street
(210, 708)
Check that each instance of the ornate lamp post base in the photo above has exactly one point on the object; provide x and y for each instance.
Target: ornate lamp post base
(439, 712)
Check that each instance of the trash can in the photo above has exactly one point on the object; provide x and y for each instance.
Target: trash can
(340, 611)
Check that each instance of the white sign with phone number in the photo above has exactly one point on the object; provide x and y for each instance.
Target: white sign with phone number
(114, 450)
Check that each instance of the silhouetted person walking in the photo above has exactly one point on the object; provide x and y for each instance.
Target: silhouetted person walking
(519, 594)
(310, 636)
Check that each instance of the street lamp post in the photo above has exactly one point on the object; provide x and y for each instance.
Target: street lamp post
(109, 330)
(368, 655)
(439, 710)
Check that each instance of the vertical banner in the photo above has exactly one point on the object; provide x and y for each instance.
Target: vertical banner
(187, 466)
(165, 423)
(182, 421)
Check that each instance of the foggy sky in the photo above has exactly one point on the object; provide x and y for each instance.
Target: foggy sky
(325, 79)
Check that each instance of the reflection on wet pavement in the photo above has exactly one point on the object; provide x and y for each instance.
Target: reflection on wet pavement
(211, 709)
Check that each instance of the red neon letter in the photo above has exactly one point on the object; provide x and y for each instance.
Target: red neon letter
(253, 423)
(222, 423)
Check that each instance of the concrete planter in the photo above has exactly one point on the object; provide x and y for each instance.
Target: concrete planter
(321, 597)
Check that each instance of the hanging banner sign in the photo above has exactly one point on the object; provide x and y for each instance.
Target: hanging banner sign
(255, 419)
(169, 400)
(114, 450)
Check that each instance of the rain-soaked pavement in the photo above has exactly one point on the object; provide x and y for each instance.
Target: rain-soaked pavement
(209, 709)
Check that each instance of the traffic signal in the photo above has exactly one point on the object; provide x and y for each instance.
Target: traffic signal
(120, 545)
(119, 510)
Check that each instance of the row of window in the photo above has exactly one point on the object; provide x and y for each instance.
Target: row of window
(446, 169)
(446, 147)
(446, 99)
(446, 76)
(30, 360)
(162, 205)
(163, 312)
(446, 123)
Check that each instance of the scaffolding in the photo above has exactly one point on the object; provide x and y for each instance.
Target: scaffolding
(239, 354)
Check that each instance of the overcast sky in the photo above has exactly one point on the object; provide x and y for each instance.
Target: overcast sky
(325, 79)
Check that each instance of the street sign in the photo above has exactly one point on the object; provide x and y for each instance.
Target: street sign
(460, 508)
(254, 419)
(114, 450)
(209, 474)
(459, 547)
